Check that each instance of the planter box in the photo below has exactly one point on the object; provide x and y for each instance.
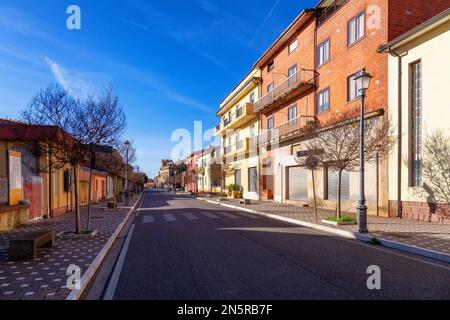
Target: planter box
(334, 223)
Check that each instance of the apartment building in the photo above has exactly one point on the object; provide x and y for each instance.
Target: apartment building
(419, 108)
(209, 170)
(191, 174)
(237, 130)
(307, 78)
(171, 174)
(285, 108)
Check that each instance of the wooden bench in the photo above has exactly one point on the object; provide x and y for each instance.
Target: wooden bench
(25, 247)
(245, 201)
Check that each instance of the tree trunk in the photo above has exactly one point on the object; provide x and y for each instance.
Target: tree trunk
(77, 204)
(114, 192)
(338, 210)
(88, 222)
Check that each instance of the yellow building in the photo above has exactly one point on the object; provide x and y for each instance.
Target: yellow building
(26, 176)
(419, 109)
(238, 128)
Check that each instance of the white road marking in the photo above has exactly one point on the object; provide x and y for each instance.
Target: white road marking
(190, 216)
(112, 285)
(228, 215)
(170, 218)
(148, 219)
(210, 215)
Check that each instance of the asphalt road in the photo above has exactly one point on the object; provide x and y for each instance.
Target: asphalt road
(182, 248)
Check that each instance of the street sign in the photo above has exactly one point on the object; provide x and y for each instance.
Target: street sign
(312, 163)
(308, 153)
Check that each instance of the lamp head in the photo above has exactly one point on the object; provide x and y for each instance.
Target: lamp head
(363, 79)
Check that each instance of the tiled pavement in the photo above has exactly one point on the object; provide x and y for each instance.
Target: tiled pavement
(425, 235)
(45, 277)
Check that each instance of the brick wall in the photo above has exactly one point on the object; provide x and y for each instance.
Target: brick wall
(303, 57)
(345, 61)
(407, 14)
(422, 211)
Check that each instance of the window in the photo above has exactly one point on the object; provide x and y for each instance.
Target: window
(239, 142)
(292, 113)
(66, 180)
(252, 97)
(332, 183)
(356, 28)
(323, 101)
(252, 130)
(252, 179)
(270, 123)
(270, 87)
(238, 111)
(237, 177)
(352, 91)
(270, 66)
(293, 45)
(323, 52)
(292, 75)
(416, 124)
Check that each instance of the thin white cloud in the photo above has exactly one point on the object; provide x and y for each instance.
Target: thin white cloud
(136, 24)
(59, 73)
(187, 101)
(263, 23)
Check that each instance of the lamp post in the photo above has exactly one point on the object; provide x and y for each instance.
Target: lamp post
(127, 146)
(175, 181)
(362, 80)
(139, 180)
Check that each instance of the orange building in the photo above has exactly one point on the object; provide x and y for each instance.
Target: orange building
(307, 78)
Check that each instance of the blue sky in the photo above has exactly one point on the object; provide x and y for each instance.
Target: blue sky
(171, 62)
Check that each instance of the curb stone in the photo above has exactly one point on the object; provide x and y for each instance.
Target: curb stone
(75, 294)
(346, 234)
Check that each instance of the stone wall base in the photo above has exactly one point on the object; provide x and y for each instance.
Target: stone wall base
(13, 217)
(422, 211)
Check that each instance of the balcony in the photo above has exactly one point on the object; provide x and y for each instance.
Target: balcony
(241, 116)
(327, 11)
(300, 82)
(240, 147)
(297, 127)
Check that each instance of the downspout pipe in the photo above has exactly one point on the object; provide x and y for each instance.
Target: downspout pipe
(400, 132)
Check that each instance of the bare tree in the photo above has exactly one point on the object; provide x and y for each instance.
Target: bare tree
(114, 165)
(82, 124)
(128, 154)
(337, 145)
(436, 165)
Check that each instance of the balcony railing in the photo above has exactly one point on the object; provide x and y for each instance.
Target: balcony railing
(303, 78)
(240, 116)
(325, 12)
(239, 146)
(300, 125)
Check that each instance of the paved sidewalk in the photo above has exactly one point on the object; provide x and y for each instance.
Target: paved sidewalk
(429, 236)
(45, 277)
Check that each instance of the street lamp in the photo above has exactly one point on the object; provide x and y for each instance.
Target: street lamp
(175, 181)
(362, 81)
(127, 146)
